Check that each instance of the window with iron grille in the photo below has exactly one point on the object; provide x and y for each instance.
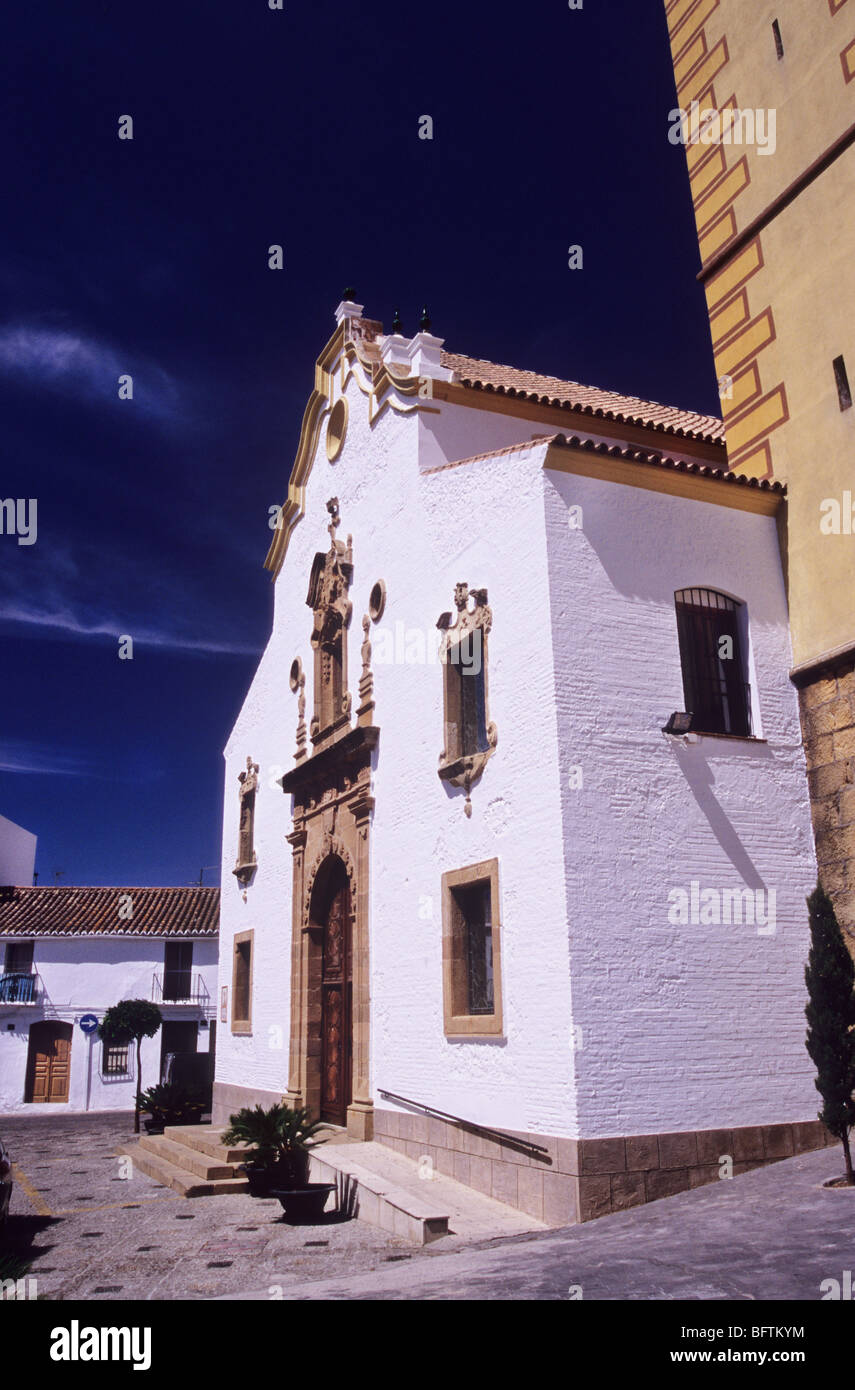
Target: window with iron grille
(115, 1060)
(717, 693)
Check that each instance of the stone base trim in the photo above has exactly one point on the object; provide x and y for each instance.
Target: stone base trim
(227, 1099)
(573, 1180)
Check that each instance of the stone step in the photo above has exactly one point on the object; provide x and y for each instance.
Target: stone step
(195, 1161)
(385, 1189)
(205, 1139)
(181, 1180)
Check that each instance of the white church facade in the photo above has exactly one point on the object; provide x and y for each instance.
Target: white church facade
(517, 835)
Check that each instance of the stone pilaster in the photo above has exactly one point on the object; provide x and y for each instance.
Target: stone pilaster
(360, 1113)
(296, 1089)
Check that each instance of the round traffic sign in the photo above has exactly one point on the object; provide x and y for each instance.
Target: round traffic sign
(88, 1023)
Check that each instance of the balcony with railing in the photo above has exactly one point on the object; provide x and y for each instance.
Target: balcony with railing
(179, 987)
(20, 987)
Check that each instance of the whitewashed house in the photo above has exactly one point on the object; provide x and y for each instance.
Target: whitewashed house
(67, 955)
(17, 852)
(541, 860)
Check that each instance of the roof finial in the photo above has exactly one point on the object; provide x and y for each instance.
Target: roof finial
(396, 322)
(349, 294)
(424, 321)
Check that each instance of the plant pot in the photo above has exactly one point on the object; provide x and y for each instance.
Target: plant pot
(260, 1179)
(304, 1206)
(153, 1125)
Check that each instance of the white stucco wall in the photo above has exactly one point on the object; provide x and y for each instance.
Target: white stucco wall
(83, 975)
(683, 1026)
(17, 854)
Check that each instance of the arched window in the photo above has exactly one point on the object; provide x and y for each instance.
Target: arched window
(715, 684)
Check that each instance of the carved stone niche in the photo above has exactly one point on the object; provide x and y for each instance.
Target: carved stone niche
(470, 736)
(246, 861)
(329, 585)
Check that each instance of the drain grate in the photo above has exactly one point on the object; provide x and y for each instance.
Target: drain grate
(315, 1242)
(90, 1235)
(142, 1248)
(185, 1218)
(390, 1259)
(219, 1264)
(109, 1288)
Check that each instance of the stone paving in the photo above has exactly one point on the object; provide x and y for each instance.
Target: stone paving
(774, 1233)
(86, 1231)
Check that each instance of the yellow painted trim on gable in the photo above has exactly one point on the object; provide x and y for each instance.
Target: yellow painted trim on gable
(730, 187)
(758, 335)
(688, 10)
(566, 421)
(564, 458)
(703, 75)
(706, 173)
(690, 59)
(344, 351)
(726, 321)
(746, 264)
(757, 422)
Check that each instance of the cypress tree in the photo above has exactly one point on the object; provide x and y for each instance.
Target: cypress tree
(830, 1013)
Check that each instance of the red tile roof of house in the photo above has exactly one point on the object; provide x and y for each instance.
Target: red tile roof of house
(589, 400)
(67, 911)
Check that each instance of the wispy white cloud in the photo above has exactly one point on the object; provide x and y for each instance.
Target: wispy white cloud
(76, 364)
(67, 595)
(23, 755)
(69, 623)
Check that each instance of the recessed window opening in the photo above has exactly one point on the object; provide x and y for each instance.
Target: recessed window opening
(715, 687)
(844, 395)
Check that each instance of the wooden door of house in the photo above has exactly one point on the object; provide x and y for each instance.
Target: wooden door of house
(49, 1062)
(177, 970)
(177, 1036)
(336, 1007)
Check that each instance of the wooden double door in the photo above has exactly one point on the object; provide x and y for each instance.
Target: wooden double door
(49, 1062)
(337, 1003)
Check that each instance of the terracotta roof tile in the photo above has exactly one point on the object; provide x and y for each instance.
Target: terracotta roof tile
(66, 911)
(590, 400)
(629, 452)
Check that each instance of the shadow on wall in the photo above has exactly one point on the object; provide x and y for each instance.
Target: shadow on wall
(700, 782)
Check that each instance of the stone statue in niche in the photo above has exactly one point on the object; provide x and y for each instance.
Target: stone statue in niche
(246, 860)
(470, 735)
(328, 597)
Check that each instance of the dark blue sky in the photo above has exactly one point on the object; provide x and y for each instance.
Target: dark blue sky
(149, 257)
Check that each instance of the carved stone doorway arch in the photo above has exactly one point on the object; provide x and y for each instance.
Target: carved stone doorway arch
(331, 848)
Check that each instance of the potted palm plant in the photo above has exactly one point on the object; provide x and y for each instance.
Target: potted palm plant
(168, 1104)
(281, 1141)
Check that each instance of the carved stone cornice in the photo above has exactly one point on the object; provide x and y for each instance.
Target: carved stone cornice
(347, 753)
